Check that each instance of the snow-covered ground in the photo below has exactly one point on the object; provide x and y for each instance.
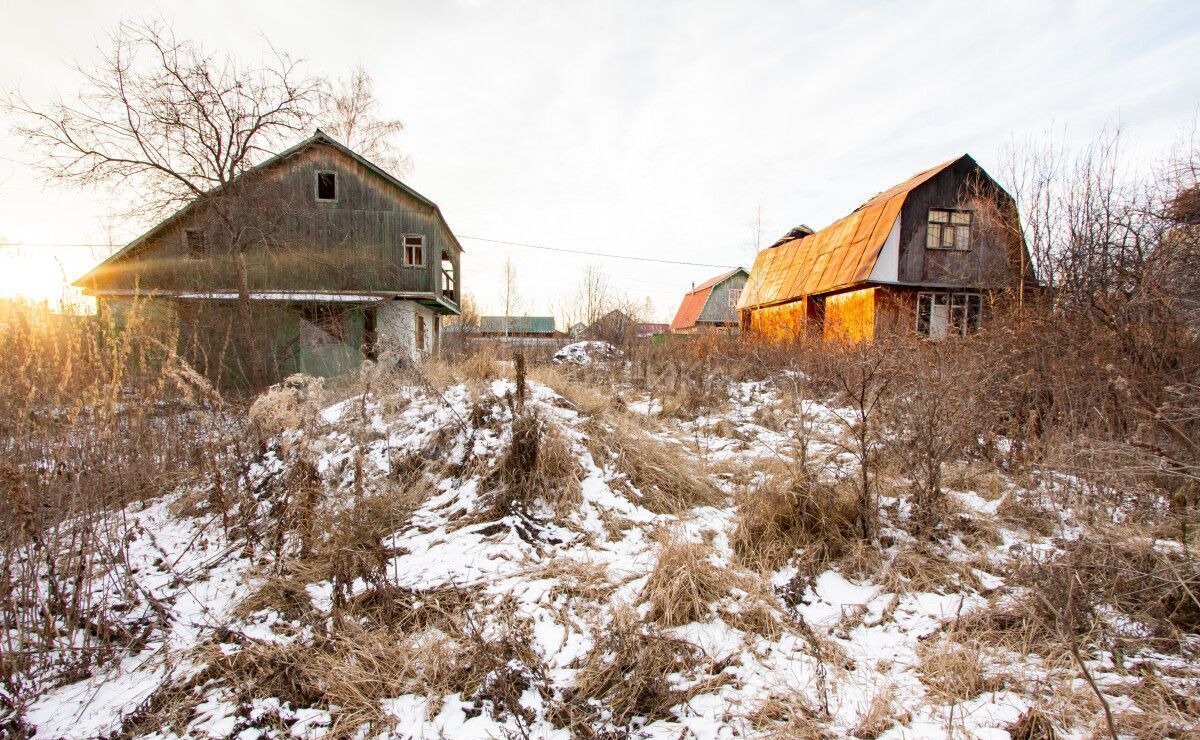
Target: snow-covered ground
(845, 645)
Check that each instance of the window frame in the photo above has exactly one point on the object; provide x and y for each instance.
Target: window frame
(190, 249)
(949, 224)
(317, 186)
(404, 247)
(968, 322)
(734, 295)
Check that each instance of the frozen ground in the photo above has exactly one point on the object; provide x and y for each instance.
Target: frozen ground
(838, 649)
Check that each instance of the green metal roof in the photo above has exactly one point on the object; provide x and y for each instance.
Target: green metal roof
(517, 324)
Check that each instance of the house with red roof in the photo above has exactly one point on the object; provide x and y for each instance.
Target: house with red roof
(711, 305)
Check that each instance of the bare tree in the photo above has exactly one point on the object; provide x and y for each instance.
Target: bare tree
(350, 113)
(510, 296)
(167, 123)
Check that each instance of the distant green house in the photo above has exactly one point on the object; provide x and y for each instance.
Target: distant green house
(517, 326)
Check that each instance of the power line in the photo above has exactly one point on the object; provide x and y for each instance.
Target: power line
(460, 236)
(593, 254)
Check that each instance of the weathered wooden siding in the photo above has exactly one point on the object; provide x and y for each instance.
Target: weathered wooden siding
(355, 243)
(716, 308)
(993, 259)
(783, 322)
(850, 316)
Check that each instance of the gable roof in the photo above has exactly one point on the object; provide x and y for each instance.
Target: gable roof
(837, 256)
(319, 137)
(516, 324)
(696, 298)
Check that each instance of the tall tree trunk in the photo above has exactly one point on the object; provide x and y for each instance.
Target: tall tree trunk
(250, 349)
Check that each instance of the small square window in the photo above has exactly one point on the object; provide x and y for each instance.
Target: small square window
(197, 247)
(947, 229)
(734, 295)
(414, 250)
(327, 186)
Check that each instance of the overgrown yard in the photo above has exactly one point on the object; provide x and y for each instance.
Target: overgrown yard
(639, 546)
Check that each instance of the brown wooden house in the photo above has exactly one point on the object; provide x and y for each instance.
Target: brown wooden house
(309, 262)
(929, 255)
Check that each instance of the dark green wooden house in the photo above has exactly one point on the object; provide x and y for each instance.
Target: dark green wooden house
(309, 262)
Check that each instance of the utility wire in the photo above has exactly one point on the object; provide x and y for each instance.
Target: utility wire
(460, 236)
(593, 254)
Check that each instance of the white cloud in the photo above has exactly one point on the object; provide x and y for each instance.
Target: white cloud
(657, 129)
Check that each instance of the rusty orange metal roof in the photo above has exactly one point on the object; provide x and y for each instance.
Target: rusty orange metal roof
(838, 256)
(694, 300)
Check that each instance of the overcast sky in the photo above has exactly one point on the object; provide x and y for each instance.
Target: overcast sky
(651, 128)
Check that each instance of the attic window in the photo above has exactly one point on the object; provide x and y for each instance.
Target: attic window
(734, 295)
(414, 250)
(197, 248)
(948, 229)
(327, 186)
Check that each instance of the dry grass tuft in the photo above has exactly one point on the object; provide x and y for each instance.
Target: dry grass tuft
(782, 514)
(788, 716)
(283, 594)
(635, 671)
(685, 583)
(922, 567)
(1033, 724)
(586, 398)
(881, 715)
(292, 404)
(953, 672)
(537, 466)
(659, 475)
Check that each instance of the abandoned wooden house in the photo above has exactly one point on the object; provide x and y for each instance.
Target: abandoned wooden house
(309, 262)
(712, 305)
(930, 255)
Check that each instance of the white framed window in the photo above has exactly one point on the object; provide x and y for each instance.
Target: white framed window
(735, 294)
(194, 242)
(414, 250)
(326, 186)
(948, 228)
(941, 315)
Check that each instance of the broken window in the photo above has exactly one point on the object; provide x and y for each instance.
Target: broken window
(197, 248)
(948, 229)
(414, 250)
(948, 314)
(734, 295)
(327, 186)
(327, 319)
(419, 335)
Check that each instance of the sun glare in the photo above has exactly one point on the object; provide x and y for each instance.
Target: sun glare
(44, 274)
